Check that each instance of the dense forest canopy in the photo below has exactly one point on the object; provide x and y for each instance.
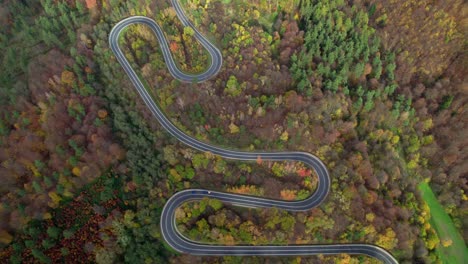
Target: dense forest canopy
(375, 89)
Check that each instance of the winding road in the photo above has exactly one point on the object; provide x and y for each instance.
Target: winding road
(168, 222)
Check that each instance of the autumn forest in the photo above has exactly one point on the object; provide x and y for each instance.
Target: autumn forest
(376, 89)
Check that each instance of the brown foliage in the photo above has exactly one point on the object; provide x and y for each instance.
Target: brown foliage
(428, 33)
(54, 142)
(291, 41)
(43, 69)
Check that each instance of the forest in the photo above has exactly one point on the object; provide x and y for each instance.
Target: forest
(376, 89)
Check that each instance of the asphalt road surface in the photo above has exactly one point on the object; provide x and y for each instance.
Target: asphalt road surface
(168, 222)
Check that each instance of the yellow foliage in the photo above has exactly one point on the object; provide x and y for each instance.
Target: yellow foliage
(433, 35)
(76, 171)
(247, 189)
(428, 124)
(42, 106)
(395, 139)
(233, 128)
(446, 22)
(297, 260)
(432, 240)
(209, 155)
(370, 217)
(346, 259)
(322, 152)
(447, 242)
(369, 230)
(427, 225)
(5, 237)
(256, 14)
(296, 16)
(387, 240)
(47, 216)
(67, 193)
(228, 240)
(55, 199)
(175, 174)
(338, 114)
(68, 77)
(35, 171)
(284, 136)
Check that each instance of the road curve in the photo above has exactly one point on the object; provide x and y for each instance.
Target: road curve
(168, 223)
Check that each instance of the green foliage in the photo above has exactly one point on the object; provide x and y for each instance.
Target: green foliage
(139, 242)
(40, 256)
(55, 28)
(264, 101)
(382, 20)
(340, 48)
(189, 31)
(372, 9)
(446, 230)
(68, 233)
(233, 88)
(323, 222)
(278, 169)
(78, 151)
(3, 128)
(244, 234)
(33, 231)
(446, 102)
(48, 243)
(377, 67)
(196, 114)
(54, 232)
(287, 223)
(37, 187)
(200, 161)
(391, 66)
(104, 256)
(215, 204)
(29, 244)
(302, 194)
(220, 166)
(64, 251)
(111, 185)
(15, 259)
(343, 43)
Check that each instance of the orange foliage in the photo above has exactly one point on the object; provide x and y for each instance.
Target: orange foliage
(173, 46)
(228, 240)
(68, 77)
(90, 3)
(303, 172)
(259, 160)
(288, 195)
(246, 189)
(102, 113)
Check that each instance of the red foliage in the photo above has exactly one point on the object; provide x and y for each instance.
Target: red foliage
(90, 3)
(173, 46)
(259, 160)
(303, 172)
